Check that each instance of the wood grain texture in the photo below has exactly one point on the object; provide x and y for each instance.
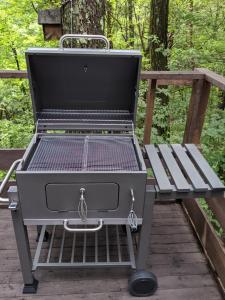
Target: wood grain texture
(174, 256)
(211, 243)
(164, 77)
(13, 74)
(196, 112)
(8, 156)
(213, 78)
(150, 102)
(172, 75)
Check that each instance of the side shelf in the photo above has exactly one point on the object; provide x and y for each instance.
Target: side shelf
(181, 171)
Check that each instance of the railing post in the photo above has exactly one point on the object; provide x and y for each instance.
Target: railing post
(197, 109)
(150, 101)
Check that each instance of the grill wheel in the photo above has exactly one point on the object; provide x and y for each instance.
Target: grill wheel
(142, 284)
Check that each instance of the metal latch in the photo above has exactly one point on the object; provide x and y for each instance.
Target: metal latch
(82, 206)
(132, 217)
(13, 205)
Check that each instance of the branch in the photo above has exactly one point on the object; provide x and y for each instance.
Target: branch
(139, 31)
(120, 24)
(35, 9)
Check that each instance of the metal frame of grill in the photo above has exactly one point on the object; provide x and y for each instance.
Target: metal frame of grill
(95, 157)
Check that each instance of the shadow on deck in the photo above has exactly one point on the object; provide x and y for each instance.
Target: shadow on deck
(176, 258)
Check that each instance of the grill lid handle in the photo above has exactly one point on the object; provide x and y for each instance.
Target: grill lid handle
(84, 36)
(94, 229)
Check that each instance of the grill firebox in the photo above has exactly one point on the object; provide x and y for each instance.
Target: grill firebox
(86, 153)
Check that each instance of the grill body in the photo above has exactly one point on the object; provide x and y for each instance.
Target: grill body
(89, 177)
(83, 171)
(57, 167)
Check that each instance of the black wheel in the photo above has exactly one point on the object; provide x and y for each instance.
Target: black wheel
(142, 284)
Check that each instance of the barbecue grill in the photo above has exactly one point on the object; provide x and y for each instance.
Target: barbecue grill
(83, 174)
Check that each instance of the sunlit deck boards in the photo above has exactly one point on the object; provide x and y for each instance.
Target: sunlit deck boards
(176, 259)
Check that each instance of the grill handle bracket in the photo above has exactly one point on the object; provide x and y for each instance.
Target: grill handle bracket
(94, 229)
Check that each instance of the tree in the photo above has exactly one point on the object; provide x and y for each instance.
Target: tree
(159, 34)
(85, 17)
(131, 22)
(158, 51)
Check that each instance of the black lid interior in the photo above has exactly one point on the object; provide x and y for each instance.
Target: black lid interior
(79, 81)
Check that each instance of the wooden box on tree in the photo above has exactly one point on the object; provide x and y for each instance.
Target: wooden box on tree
(51, 21)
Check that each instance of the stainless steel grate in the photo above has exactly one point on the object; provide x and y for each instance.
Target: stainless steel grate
(111, 154)
(93, 153)
(108, 247)
(57, 154)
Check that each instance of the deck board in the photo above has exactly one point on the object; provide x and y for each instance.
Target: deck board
(176, 259)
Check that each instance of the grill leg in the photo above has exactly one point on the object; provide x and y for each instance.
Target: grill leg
(142, 283)
(30, 283)
(146, 229)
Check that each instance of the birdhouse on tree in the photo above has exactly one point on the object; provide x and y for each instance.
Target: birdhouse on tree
(51, 21)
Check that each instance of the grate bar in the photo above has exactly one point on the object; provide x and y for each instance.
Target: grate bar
(84, 247)
(85, 154)
(62, 245)
(73, 247)
(107, 243)
(96, 246)
(118, 243)
(51, 243)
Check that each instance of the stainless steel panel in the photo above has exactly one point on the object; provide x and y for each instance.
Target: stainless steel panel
(32, 193)
(66, 197)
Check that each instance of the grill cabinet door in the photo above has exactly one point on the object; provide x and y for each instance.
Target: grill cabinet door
(66, 197)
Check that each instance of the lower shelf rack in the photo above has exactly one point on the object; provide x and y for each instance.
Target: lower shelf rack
(109, 247)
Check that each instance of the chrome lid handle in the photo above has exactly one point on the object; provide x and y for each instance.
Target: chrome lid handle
(84, 36)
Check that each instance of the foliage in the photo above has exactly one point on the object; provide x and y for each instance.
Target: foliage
(211, 217)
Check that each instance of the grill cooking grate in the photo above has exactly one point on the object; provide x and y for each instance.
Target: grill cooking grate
(94, 153)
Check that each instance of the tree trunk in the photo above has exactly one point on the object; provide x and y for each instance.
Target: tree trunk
(159, 33)
(158, 45)
(190, 24)
(84, 17)
(131, 23)
(108, 21)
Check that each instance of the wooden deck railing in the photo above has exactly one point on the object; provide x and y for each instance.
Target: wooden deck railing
(200, 80)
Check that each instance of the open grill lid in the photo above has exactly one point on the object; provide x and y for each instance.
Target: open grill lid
(75, 85)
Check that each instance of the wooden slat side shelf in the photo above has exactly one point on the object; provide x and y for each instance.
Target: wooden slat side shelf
(182, 172)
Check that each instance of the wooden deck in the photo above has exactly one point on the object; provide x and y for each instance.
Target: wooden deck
(176, 259)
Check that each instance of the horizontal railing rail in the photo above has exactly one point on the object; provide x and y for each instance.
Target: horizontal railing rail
(200, 81)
